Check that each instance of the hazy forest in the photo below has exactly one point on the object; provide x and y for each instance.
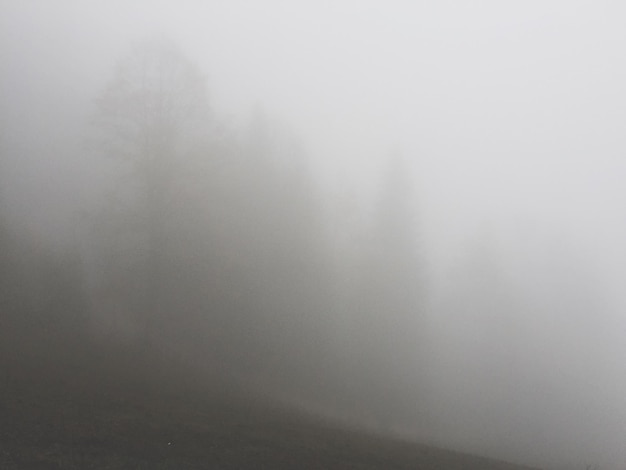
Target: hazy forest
(151, 235)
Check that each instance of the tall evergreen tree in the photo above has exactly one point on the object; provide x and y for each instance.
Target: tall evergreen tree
(155, 100)
(391, 306)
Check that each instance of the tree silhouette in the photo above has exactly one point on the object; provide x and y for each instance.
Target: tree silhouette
(146, 115)
(390, 313)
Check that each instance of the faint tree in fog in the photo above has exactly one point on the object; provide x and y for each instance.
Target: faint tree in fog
(278, 245)
(156, 99)
(486, 299)
(390, 307)
(235, 266)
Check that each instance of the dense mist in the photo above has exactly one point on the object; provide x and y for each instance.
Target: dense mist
(407, 218)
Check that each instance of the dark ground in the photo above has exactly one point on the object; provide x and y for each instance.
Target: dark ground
(58, 420)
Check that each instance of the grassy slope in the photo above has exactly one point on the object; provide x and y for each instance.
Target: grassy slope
(53, 420)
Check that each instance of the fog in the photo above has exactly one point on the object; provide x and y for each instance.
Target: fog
(404, 216)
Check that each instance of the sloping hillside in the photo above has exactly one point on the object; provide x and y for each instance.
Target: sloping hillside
(65, 424)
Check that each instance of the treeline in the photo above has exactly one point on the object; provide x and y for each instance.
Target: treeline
(212, 250)
(213, 247)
